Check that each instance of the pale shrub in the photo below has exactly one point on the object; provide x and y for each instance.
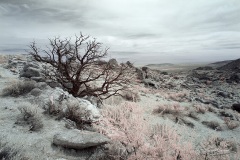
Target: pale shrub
(17, 88)
(170, 108)
(216, 148)
(231, 124)
(126, 124)
(31, 115)
(179, 97)
(200, 108)
(131, 96)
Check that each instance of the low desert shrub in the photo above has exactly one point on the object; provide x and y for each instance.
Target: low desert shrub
(231, 124)
(193, 115)
(184, 121)
(126, 125)
(179, 97)
(30, 115)
(200, 108)
(213, 125)
(6, 153)
(131, 96)
(17, 88)
(9, 150)
(53, 107)
(211, 109)
(171, 108)
(79, 115)
(216, 148)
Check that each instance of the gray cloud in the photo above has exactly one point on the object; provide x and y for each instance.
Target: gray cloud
(146, 30)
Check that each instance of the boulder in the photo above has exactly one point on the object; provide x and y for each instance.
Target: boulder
(41, 85)
(113, 63)
(76, 139)
(30, 72)
(129, 64)
(36, 92)
(223, 94)
(236, 107)
(63, 97)
(140, 74)
(145, 69)
(38, 79)
(150, 83)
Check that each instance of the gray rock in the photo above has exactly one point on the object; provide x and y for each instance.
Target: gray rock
(150, 83)
(145, 69)
(33, 65)
(129, 64)
(223, 94)
(113, 62)
(76, 139)
(37, 79)
(63, 97)
(53, 84)
(36, 92)
(140, 74)
(30, 72)
(41, 85)
(236, 107)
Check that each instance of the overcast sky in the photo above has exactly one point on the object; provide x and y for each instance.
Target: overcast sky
(143, 31)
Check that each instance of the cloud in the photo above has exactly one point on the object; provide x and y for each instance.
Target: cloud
(157, 30)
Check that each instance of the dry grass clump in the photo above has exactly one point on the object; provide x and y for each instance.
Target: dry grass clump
(213, 125)
(30, 116)
(134, 138)
(179, 97)
(6, 152)
(200, 108)
(231, 124)
(212, 109)
(131, 96)
(216, 148)
(52, 107)
(17, 88)
(9, 150)
(171, 108)
(142, 89)
(184, 121)
(193, 115)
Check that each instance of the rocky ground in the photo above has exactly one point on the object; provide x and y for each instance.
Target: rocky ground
(35, 122)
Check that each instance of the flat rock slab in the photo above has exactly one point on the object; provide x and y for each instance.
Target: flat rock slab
(76, 139)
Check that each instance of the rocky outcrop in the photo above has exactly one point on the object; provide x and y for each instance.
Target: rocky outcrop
(30, 70)
(150, 83)
(76, 139)
(235, 78)
(236, 107)
(113, 63)
(63, 99)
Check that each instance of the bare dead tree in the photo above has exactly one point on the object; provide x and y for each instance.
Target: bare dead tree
(76, 66)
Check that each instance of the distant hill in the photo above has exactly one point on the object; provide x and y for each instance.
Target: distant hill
(219, 63)
(160, 65)
(232, 65)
